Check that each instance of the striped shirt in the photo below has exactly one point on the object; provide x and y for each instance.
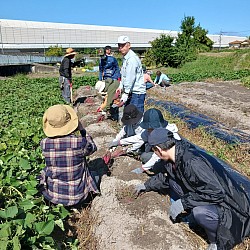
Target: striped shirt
(66, 178)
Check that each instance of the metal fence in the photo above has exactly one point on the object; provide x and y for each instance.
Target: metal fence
(28, 59)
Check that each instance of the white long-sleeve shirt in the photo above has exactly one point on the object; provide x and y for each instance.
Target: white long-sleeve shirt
(130, 135)
(132, 74)
(140, 137)
(154, 158)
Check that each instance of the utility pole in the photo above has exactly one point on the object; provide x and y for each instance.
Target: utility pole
(220, 40)
(43, 47)
(1, 37)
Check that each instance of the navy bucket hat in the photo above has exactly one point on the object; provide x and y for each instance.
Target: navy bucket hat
(153, 119)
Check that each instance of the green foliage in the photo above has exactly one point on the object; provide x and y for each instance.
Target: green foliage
(54, 51)
(148, 58)
(26, 222)
(190, 41)
(162, 50)
(85, 80)
(222, 75)
(246, 81)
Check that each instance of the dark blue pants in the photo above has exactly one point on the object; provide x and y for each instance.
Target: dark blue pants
(205, 216)
(137, 100)
(149, 85)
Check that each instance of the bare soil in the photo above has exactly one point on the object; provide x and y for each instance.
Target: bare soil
(125, 222)
(227, 102)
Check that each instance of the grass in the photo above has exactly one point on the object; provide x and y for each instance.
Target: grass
(212, 63)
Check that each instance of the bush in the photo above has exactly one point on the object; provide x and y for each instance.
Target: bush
(54, 51)
(246, 81)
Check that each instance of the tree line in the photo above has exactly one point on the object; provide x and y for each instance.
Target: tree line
(166, 50)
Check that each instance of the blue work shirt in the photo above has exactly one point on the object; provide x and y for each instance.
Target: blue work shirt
(108, 68)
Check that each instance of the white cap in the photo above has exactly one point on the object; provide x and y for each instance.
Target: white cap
(123, 39)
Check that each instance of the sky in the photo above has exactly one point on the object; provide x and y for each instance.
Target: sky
(229, 17)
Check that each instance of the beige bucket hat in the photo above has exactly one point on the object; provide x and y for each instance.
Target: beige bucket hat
(59, 120)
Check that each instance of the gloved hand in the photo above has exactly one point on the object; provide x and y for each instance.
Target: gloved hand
(114, 143)
(138, 171)
(124, 97)
(114, 105)
(99, 109)
(139, 188)
(175, 209)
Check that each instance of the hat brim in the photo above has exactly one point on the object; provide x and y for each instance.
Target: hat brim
(69, 54)
(132, 121)
(62, 131)
(154, 125)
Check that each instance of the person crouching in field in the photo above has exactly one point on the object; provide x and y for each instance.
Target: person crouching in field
(66, 178)
(201, 186)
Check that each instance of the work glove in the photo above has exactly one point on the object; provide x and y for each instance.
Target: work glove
(138, 170)
(114, 143)
(139, 188)
(99, 109)
(175, 209)
(212, 246)
(114, 106)
(124, 97)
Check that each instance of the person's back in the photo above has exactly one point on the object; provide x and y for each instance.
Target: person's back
(147, 79)
(65, 179)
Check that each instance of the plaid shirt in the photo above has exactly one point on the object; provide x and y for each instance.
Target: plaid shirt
(66, 178)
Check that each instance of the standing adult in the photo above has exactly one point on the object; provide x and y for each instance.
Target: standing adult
(218, 202)
(132, 82)
(108, 65)
(65, 78)
(109, 72)
(162, 79)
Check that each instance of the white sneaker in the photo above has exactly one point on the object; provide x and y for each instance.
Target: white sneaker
(212, 246)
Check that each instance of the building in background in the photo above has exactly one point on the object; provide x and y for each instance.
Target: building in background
(24, 36)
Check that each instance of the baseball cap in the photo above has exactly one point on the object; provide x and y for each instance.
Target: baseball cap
(159, 135)
(123, 39)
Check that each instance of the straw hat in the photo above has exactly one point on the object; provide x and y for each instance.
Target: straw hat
(59, 120)
(70, 51)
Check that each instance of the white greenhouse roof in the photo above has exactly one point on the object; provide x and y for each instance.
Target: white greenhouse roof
(17, 34)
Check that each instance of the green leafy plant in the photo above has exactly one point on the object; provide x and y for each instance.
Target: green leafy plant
(54, 51)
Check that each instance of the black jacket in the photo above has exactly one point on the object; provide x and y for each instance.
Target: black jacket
(65, 68)
(205, 180)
